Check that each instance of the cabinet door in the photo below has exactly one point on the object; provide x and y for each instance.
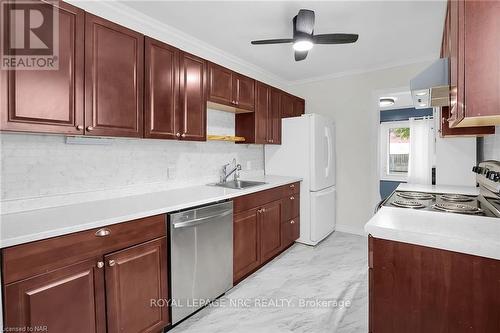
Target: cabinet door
(290, 231)
(49, 100)
(270, 230)
(246, 244)
(274, 120)
(286, 105)
(134, 277)
(114, 68)
(263, 129)
(456, 47)
(243, 91)
(298, 107)
(161, 90)
(193, 103)
(69, 299)
(482, 62)
(220, 84)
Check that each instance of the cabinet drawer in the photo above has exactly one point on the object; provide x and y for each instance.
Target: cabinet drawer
(290, 189)
(290, 232)
(290, 207)
(22, 261)
(257, 199)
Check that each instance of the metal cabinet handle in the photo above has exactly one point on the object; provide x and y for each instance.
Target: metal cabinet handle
(292, 222)
(292, 186)
(103, 232)
(183, 135)
(292, 198)
(111, 263)
(263, 210)
(177, 134)
(79, 127)
(100, 264)
(90, 128)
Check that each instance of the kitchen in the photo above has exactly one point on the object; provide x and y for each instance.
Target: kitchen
(167, 162)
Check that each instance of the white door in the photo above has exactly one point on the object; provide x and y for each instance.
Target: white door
(322, 152)
(322, 213)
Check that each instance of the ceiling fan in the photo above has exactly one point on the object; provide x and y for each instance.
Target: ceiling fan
(304, 38)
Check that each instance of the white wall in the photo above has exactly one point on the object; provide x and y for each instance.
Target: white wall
(491, 146)
(455, 158)
(351, 102)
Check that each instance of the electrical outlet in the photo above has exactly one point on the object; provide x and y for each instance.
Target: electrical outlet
(171, 172)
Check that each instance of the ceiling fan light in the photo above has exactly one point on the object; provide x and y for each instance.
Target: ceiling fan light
(302, 45)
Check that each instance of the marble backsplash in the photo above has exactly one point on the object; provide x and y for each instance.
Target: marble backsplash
(40, 171)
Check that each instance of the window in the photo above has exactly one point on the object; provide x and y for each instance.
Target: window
(395, 150)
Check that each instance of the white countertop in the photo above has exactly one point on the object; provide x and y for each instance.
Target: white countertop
(475, 235)
(468, 190)
(23, 227)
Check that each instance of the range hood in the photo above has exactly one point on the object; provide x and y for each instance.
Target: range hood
(431, 87)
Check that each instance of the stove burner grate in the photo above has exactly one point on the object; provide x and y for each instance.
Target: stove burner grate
(457, 208)
(456, 198)
(415, 195)
(407, 204)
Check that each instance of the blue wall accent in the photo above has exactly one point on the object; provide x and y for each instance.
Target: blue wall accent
(403, 114)
(387, 187)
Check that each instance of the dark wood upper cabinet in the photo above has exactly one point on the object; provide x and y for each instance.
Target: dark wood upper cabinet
(298, 107)
(230, 88)
(446, 131)
(270, 230)
(264, 125)
(472, 39)
(243, 92)
(287, 104)
(69, 299)
(134, 277)
(114, 79)
(274, 118)
(220, 84)
(193, 101)
(246, 255)
(161, 90)
(49, 101)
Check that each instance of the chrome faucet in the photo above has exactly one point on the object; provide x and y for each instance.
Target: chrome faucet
(225, 173)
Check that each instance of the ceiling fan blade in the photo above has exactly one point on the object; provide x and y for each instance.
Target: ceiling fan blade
(272, 41)
(300, 55)
(304, 22)
(335, 38)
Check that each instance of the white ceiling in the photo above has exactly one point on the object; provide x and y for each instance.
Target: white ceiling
(391, 32)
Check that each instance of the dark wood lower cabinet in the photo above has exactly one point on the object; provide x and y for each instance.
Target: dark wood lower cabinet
(260, 232)
(246, 255)
(416, 289)
(69, 299)
(107, 285)
(136, 277)
(270, 230)
(290, 231)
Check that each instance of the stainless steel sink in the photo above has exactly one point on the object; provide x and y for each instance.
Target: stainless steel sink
(239, 184)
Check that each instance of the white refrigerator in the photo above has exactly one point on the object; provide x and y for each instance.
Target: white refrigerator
(307, 150)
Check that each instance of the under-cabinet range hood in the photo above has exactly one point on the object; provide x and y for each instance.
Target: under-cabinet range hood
(431, 87)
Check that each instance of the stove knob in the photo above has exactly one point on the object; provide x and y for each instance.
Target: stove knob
(493, 176)
(474, 169)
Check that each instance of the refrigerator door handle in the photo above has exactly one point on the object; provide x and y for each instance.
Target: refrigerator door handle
(329, 151)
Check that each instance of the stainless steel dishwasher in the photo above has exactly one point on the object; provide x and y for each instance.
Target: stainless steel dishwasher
(201, 245)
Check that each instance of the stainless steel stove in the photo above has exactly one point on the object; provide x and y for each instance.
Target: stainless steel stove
(487, 203)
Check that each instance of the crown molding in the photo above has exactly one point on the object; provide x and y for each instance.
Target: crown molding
(133, 19)
(359, 71)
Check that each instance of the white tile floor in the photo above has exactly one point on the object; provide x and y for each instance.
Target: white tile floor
(273, 299)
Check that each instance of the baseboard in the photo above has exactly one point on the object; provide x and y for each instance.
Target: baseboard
(350, 229)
